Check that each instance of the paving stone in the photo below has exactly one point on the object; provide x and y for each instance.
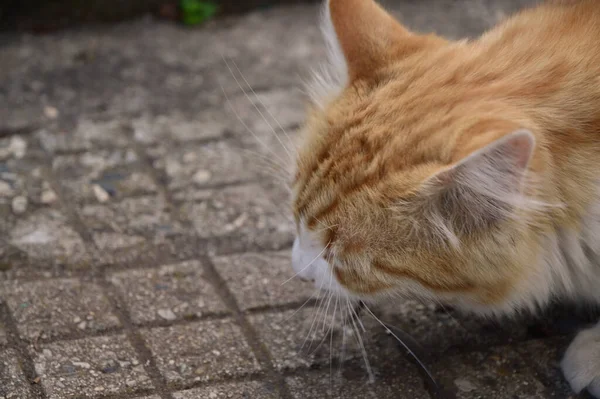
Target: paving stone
(265, 279)
(85, 135)
(201, 351)
(499, 372)
(130, 222)
(176, 127)
(247, 211)
(46, 236)
(21, 171)
(400, 382)
(437, 330)
(45, 309)
(102, 175)
(298, 339)
(90, 367)
(197, 165)
(13, 384)
(270, 110)
(245, 390)
(544, 356)
(171, 292)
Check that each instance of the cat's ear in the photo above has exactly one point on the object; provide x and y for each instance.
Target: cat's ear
(361, 35)
(487, 185)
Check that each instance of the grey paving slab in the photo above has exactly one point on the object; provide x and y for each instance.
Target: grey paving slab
(201, 351)
(248, 211)
(90, 367)
(101, 176)
(197, 165)
(130, 222)
(85, 134)
(170, 292)
(45, 236)
(263, 279)
(401, 383)
(499, 372)
(21, 175)
(13, 384)
(46, 309)
(268, 112)
(299, 339)
(543, 357)
(438, 330)
(245, 390)
(176, 127)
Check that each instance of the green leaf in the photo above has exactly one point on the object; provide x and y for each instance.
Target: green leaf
(195, 12)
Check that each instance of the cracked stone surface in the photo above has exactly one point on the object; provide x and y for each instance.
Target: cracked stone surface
(145, 228)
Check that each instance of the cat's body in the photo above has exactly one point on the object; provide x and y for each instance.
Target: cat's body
(462, 171)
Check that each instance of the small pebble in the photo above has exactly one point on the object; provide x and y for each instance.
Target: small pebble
(464, 385)
(51, 112)
(19, 205)
(83, 365)
(5, 189)
(167, 314)
(100, 193)
(202, 177)
(48, 197)
(18, 147)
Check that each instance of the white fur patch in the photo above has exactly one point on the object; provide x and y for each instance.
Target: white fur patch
(332, 76)
(581, 363)
(309, 263)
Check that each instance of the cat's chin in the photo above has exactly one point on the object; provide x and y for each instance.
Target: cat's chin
(309, 265)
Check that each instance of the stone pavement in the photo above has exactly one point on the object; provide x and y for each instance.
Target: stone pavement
(144, 235)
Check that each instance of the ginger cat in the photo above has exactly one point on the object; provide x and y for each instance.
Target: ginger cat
(465, 171)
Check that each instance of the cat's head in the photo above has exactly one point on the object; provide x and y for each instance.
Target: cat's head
(410, 179)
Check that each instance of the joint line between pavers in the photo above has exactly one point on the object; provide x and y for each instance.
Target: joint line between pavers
(118, 304)
(15, 342)
(261, 352)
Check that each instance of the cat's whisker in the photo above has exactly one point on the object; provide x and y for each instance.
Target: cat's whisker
(406, 347)
(265, 107)
(450, 315)
(331, 342)
(258, 109)
(239, 118)
(361, 343)
(281, 171)
(320, 310)
(316, 314)
(328, 303)
(316, 291)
